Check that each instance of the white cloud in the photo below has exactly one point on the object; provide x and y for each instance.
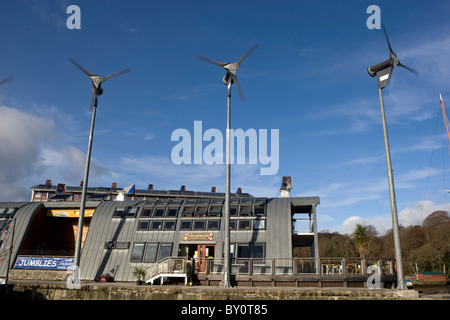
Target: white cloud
(409, 216)
(29, 154)
(414, 215)
(21, 134)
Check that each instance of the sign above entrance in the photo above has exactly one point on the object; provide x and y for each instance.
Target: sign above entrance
(69, 213)
(198, 236)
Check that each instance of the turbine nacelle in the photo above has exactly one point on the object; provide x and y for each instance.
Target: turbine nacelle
(384, 69)
(97, 81)
(231, 67)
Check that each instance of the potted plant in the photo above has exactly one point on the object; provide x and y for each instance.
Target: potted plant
(139, 274)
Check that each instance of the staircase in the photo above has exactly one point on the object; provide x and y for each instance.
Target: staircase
(167, 268)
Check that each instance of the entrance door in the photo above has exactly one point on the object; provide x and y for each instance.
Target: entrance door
(204, 252)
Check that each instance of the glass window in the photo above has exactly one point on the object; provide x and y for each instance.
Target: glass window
(122, 245)
(245, 211)
(138, 251)
(109, 245)
(147, 212)
(143, 225)
(215, 211)
(233, 211)
(232, 224)
(186, 224)
(9, 213)
(188, 211)
(213, 224)
(165, 250)
(159, 212)
(118, 213)
(243, 251)
(131, 212)
(199, 225)
(201, 211)
(258, 250)
(169, 225)
(259, 224)
(244, 224)
(172, 212)
(156, 225)
(259, 210)
(150, 252)
(3, 224)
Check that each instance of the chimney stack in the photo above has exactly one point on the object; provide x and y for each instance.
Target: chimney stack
(286, 186)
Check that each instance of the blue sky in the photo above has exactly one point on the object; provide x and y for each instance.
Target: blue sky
(308, 79)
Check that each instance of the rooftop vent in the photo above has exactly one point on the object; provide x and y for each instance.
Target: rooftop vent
(286, 186)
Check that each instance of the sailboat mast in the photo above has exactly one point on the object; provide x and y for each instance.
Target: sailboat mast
(445, 118)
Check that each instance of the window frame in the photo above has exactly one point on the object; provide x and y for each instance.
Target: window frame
(259, 224)
(153, 223)
(209, 227)
(134, 257)
(186, 221)
(140, 226)
(146, 256)
(199, 221)
(145, 210)
(241, 227)
(117, 210)
(165, 228)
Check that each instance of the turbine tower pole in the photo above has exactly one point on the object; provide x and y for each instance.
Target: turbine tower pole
(395, 228)
(227, 262)
(83, 196)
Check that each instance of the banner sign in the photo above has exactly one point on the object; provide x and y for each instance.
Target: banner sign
(43, 263)
(198, 236)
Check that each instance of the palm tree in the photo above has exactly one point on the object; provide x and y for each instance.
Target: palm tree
(362, 238)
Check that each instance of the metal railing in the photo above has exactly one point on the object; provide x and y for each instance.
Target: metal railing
(276, 267)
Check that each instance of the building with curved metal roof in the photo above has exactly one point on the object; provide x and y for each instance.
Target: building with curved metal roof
(120, 236)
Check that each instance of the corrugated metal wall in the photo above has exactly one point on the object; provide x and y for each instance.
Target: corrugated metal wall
(22, 219)
(97, 260)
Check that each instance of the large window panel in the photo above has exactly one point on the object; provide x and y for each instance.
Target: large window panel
(150, 252)
(165, 250)
(137, 252)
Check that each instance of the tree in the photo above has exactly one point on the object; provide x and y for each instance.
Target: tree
(362, 237)
(436, 219)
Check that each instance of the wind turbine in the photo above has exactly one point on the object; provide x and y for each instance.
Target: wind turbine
(97, 90)
(229, 78)
(383, 73)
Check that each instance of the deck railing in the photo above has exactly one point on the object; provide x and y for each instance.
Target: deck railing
(289, 266)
